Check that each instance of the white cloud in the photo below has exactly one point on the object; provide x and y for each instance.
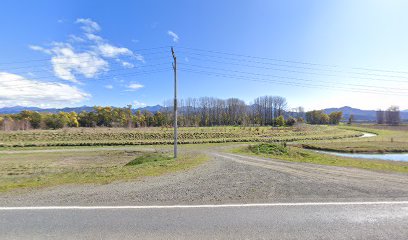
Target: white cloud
(91, 60)
(74, 38)
(66, 63)
(17, 90)
(173, 35)
(93, 37)
(88, 25)
(108, 86)
(110, 51)
(134, 86)
(38, 48)
(127, 64)
(138, 57)
(137, 104)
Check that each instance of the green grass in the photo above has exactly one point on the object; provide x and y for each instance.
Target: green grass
(269, 148)
(149, 157)
(388, 139)
(295, 154)
(36, 170)
(161, 136)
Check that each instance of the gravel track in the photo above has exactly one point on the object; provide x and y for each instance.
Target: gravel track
(228, 178)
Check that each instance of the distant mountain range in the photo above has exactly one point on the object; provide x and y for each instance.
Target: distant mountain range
(17, 109)
(359, 114)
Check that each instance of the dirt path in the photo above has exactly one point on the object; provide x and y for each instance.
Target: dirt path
(229, 178)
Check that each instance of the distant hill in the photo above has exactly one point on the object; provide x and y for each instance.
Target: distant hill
(150, 108)
(17, 109)
(361, 115)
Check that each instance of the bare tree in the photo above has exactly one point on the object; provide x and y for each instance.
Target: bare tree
(393, 116)
(380, 116)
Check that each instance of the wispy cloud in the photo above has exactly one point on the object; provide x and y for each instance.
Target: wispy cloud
(108, 86)
(137, 104)
(110, 51)
(39, 48)
(17, 90)
(74, 38)
(127, 64)
(88, 25)
(93, 58)
(134, 86)
(174, 36)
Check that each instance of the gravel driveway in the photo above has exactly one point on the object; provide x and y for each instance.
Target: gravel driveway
(228, 178)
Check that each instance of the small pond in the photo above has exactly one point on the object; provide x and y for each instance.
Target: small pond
(385, 156)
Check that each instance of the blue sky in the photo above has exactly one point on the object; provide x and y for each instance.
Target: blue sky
(317, 54)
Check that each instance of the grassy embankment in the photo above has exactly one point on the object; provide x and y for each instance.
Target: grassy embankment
(388, 139)
(160, 136)
(296, 154)
(33, 170)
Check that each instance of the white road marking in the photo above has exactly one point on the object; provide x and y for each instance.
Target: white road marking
(203, 206)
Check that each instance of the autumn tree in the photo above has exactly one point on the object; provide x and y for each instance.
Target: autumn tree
(319, 117)
(335, 117)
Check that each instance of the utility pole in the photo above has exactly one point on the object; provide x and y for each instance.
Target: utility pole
(175, 102)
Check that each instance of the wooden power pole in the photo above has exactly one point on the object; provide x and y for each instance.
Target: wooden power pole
(175, 102)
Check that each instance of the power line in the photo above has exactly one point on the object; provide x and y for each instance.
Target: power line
(47, 59)
(105, 78)
(110, 70)
(289, 61)
(314, 86)
(68, 64)
(291, 66)
(292, 78)
(266, 80)
(296, 71)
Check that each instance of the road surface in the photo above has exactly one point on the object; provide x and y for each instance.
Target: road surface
(275, 221)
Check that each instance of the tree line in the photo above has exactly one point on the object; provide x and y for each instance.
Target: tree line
(205, 111)
(320, 117)
(391, 116)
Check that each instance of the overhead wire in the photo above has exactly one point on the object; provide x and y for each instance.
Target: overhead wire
(267, 80)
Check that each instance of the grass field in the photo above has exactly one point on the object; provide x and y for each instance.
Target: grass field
(32, 159)
(295, 154)
(33, 170)
(388, 139)
(154, 136)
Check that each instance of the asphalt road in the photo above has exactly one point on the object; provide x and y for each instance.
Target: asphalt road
(304, 221)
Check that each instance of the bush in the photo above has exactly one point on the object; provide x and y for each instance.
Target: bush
(290, 122)
(148, 158)
(269, 148)
(280, 121)
(54, 121)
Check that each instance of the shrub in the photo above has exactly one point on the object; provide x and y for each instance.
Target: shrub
(269, 148)
(290, 121)
(280, 121)
(54, 121)
(151, 157)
